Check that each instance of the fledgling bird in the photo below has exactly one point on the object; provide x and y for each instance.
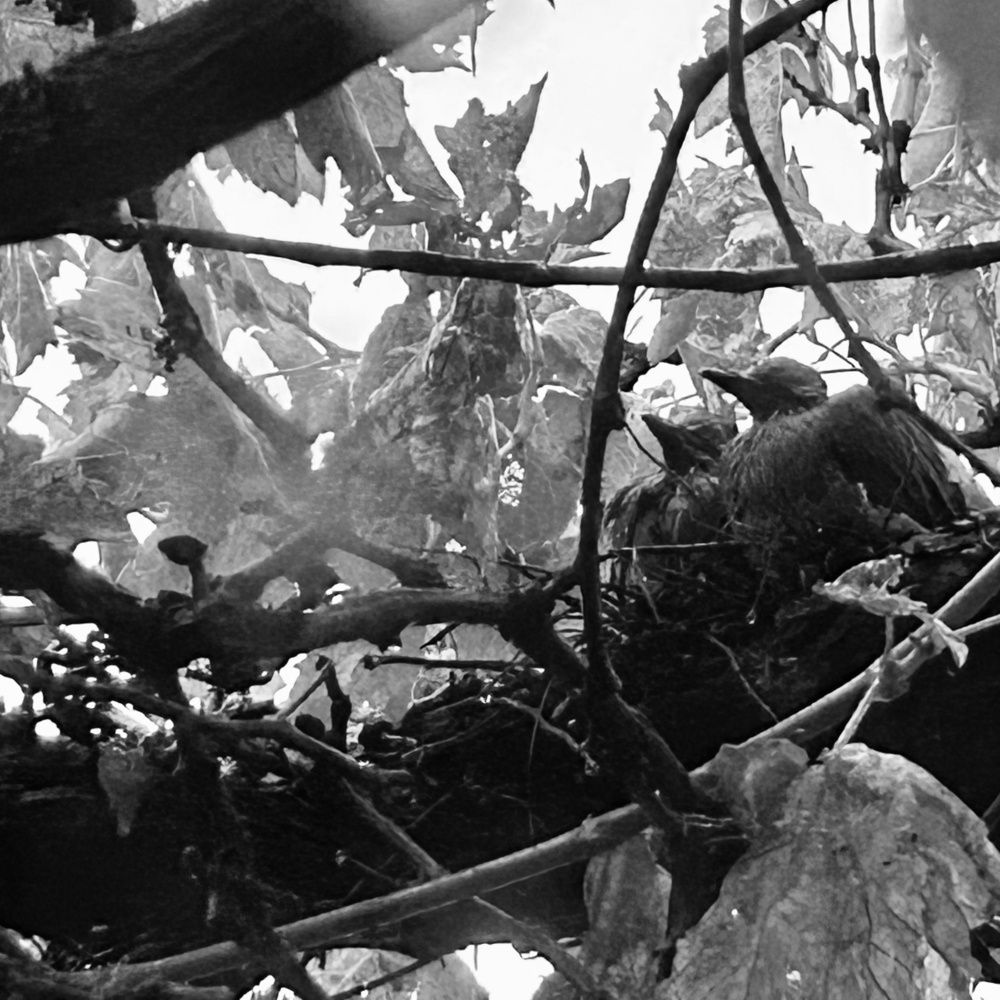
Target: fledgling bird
(681, 504)
(817, 477)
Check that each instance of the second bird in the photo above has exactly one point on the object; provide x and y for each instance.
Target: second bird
(817, 476)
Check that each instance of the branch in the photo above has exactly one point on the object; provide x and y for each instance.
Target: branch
(303, 548)
(697, 83)
(803, 256)
(594, 836)
(187, 337)
(529, 937)
(800, 253)
(157, 642)
(126, 112)
(836, 706)
(663, 785)
(220, 728)
(908, 264)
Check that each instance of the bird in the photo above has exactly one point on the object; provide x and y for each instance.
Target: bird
(824, 479)
(679, 505)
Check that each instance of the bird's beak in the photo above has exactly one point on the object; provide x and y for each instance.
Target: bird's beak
(726, 381)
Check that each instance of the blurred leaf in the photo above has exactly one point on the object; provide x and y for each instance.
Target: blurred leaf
(379, 97)
(626, 893)
(400, 333)
(125, 776)
(955, 313)
(116, 313)
(572, 340)
(265, 156)
(23, 305)
(677, 320)
(32, 37)
(541, 524)
(332, 125)
(55, 493)
(11, 397)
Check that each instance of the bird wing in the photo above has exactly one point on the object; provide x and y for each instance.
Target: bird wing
(889, 453)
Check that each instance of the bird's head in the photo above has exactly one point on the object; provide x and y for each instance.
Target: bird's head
(772, 386)
(691, 438)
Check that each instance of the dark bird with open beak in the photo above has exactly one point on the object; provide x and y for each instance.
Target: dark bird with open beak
(821, 480)
(678, 506)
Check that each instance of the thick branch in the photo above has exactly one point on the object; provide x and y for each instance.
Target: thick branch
(133, 108)
(237, 631)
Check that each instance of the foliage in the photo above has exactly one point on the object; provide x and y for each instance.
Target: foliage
(448, 456)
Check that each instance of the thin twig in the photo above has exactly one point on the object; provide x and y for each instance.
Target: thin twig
(800, 253)
(370, 984)
(294, 706)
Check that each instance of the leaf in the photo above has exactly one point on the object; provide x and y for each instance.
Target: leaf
(572, 340)
(332, 125)
(677, 321)
(116, 313)
(607, 209)
(627, 895)
(866, 586)
(958, 317)
(541, 524)
(484, 151)
(125, 777)
(903, 868)
(754, 780)
(348, 968)
(932, 139)
(380, 98)
(266, 156)
(11, 397)
(23, 305)
(663, 120)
